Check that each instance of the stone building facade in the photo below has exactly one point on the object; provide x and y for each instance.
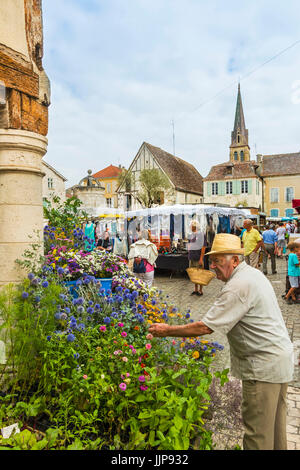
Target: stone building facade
(25, 97)
(281, 175)
(90, 192)
(109, 179)
(53, 183)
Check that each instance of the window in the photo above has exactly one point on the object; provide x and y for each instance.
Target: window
(235, 155)
(274, 213)
(228, 187)
(257, 187)
(244, 187)
(108, 202)
(242, 156)
(239, 138)
(289, 212)
(50, 183)
(289, 194)
(274, 194)
(214, 188)
(108, 187)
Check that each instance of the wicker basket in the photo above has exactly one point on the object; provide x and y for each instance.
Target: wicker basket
(200, 276)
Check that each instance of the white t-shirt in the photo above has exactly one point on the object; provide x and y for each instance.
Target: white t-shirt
(281, 231)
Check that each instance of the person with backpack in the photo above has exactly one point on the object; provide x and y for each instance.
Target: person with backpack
(143, 254)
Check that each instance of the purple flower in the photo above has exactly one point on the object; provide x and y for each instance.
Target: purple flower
(30, 276)
(25, 295)
(45, 284)
(142, 378)
(71, 338)
(123, 386)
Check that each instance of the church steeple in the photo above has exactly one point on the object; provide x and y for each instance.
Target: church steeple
(239, 148)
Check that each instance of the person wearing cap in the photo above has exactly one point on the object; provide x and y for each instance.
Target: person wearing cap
(247, 311)
(252, 241)
(196, 251)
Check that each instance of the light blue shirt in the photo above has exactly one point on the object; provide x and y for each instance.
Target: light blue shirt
(269, 236)
(293, 270)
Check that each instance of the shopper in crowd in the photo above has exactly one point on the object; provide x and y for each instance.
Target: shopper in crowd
(196, 251)
(269, 248)
(281, 243)
(261, 351)
(143, 254)
(252, 241)
(293, 271)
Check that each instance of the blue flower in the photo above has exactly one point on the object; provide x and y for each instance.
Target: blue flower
(80, 309)
(145, 297)
(114, 315)
(76, 355)
(37, 299)
(90, 310)
(25, 295)
(30, 276)
(78, 283)
(80, 300)
(187, 315)
(106, 320)
(153, 302)
(97, 307)
(60, 270)
(67, 310)
(57, 316)
(134, 294)
(71, 338)
(48, 338)
(45, 284)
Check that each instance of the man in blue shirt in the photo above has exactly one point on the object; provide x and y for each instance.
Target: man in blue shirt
(270, 247)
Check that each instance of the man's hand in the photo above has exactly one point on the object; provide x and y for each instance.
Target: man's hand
(201, 262)
(159, 329)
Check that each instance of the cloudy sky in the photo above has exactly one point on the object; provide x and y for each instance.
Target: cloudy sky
(122, 70)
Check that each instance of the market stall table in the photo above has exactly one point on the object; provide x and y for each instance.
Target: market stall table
(175, 262)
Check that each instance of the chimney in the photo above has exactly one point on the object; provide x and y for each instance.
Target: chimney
(259, 158)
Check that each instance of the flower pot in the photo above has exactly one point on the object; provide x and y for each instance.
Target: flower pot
(104, 284)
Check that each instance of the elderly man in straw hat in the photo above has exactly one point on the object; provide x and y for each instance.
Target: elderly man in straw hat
(247, 311)
(196, 251)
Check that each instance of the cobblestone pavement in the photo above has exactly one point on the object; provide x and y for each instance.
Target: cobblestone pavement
(178, 289)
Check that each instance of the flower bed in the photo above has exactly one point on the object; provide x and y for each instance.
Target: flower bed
(87, 374)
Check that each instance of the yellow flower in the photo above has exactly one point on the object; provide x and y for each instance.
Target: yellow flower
(54, 251)
(182, 345)
(196, 354)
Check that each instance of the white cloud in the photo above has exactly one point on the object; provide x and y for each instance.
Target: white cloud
(121, 71)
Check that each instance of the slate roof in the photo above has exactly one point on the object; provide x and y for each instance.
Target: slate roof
(281, 164)
(183, 175)
(231, 171)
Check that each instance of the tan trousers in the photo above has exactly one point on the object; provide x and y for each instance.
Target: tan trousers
(252, 259)
(264, 415)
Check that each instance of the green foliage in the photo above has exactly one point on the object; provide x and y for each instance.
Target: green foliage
(64, 215)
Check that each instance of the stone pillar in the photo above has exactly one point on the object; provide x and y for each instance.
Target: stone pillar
(21, 207)
(24, 102)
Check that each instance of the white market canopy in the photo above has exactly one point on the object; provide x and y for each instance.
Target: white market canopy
(188, 209)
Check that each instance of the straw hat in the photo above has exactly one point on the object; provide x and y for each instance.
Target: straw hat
(227, 244)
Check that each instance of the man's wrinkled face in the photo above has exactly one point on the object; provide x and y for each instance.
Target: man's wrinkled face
(223, 265)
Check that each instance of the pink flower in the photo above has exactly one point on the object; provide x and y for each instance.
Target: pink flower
(123, 386)
(143, 387)
(121, 324)
(102, 328)
(133, 351)
(124, 334)
(173, 342)
(148, 346)
(127, 374)
(142, 378)
(124, 359)
(149, 336)
(84, 376)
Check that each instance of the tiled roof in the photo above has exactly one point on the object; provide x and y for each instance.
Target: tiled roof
(281, 164)
(230, 171)
(109, 172)
(183, 175)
